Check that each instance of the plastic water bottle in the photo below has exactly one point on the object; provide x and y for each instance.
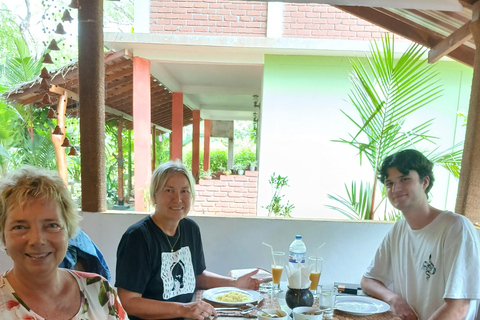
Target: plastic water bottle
(297, 250)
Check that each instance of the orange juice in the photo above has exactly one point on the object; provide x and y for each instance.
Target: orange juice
(314, 278)
(276, 274)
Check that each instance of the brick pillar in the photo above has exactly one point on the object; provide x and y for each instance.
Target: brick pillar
(141, 131)
(177, 126)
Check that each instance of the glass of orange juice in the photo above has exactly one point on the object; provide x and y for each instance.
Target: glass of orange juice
(277, 269)
(316, 265)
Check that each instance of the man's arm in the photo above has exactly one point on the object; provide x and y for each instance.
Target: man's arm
(378, 290)
(451, 309)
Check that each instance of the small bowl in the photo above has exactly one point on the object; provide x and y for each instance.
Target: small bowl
(278, 312)
(298, 313)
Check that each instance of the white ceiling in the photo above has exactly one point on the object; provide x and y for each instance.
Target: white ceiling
(220, 75)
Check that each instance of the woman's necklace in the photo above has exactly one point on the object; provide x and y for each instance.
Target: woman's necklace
(171, 247)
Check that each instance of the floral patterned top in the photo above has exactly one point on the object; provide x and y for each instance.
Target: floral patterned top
(99, 300)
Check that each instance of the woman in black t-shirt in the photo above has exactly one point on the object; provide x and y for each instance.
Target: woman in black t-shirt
(160, 259)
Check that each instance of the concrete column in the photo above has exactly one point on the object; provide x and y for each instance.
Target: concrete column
(230, 154)
(141, 131)
(177, 126)
(91, 74)
(141, 16)
(275, 12)
(206, 144)
(196, 145)
(468, 197)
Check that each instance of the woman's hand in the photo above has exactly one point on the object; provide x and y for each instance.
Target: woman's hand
(198, 310)
(247, 282)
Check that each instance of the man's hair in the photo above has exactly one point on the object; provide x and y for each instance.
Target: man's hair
(39, 183)
(405, 161)
(164, 171)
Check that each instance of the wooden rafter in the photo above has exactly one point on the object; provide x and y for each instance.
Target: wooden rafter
(402, 27)
(450, 43)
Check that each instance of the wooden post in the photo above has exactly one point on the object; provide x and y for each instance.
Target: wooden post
(206, 145)
(468, 197)
(154, 154)
(196, 145)
(57, 140)
(121, 198)
(91, 74)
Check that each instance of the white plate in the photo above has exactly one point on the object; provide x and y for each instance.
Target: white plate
(212, 293)
(360, 306)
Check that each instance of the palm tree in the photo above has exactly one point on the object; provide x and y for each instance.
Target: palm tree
(385, 92)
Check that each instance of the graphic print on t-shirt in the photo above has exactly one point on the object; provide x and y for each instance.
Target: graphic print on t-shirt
(429, 267)
(177, 273)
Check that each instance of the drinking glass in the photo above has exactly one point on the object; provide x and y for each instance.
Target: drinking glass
(277, 269)
(326, 300)
(315, 265)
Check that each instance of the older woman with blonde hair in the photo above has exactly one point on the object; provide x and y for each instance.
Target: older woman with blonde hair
(160, 259)
(37, 217)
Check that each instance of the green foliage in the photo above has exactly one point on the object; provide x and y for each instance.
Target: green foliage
(357, 204)
(385, 92)
(275, 206)
(21, 68)
(244, 157)
(162, 150)
(10, 31)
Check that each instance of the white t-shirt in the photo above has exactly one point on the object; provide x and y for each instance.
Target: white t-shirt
(441, 260)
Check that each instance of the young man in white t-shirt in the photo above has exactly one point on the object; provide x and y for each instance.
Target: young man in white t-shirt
(428, 265)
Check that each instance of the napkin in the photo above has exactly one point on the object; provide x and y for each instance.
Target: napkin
(298, 275)
(262, 273)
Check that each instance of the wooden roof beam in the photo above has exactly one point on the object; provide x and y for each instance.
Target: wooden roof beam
(462, 54)
(452, 42)
(130, 118)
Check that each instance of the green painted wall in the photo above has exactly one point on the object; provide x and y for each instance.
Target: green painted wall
(301, 102)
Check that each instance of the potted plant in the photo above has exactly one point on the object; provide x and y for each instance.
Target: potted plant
(239, 169)
(206, 175)
(253, 165)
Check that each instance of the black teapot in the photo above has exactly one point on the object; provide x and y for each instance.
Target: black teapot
(298, 298)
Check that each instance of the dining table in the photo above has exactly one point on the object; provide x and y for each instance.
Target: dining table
(277, 300)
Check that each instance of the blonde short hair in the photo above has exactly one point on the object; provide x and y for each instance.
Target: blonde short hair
(164, 171)
(29, 181)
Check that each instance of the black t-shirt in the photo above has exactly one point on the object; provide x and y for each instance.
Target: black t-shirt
(146, 265)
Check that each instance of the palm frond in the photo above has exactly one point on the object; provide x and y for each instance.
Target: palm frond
(357, 204)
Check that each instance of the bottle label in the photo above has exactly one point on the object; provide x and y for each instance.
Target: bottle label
(296, 257)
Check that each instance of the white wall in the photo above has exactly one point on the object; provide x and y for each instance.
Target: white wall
(233, 243)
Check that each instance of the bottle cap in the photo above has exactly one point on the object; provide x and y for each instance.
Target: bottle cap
(298, 237)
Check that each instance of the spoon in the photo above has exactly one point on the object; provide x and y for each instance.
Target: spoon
(271, 315)
(247, 310)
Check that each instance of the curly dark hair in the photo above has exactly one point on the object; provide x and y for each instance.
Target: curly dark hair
(405, 161)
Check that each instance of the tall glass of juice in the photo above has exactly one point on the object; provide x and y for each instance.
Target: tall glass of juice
(277, 269)
(316, 265)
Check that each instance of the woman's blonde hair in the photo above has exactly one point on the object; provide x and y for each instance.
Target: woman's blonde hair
(29, 181)
(164, 171)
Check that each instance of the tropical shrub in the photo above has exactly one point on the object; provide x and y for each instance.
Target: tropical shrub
(385, 92)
